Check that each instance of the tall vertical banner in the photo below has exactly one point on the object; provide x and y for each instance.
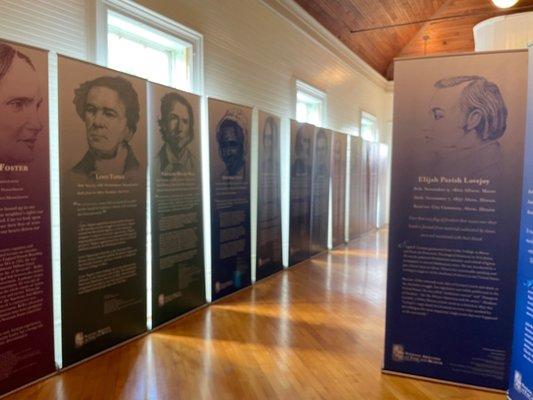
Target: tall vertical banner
(338, 188)
(365, 179)
(302, 138)
(521, 371)
(320, 191)
(459, 127)
(102, 145)
(269, 258)
(383, 184)
(178, 278)
(229, 134)
(26, 326)
(372, 185)
(357, 187)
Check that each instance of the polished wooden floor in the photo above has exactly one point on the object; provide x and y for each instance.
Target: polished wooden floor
(312, 332)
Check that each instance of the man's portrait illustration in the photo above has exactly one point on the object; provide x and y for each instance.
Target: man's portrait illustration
(176, 125)
(269, 191)
(321, 151)
(269, 145)
(302, 152)
(231, 138)
(338, 151)
(20, 104)
(109, 107)
(468, 115)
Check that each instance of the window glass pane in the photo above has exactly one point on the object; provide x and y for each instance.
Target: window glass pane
(308, 109)
(182, 71)
(140, 50)
(313, 114)
(301, 111)
(310, 104)
(369, 129)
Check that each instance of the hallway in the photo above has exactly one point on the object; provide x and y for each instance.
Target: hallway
(314, 331)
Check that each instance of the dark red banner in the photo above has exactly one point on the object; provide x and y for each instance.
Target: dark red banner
(26, 322)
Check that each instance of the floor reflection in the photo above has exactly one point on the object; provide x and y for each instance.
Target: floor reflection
(313, 331)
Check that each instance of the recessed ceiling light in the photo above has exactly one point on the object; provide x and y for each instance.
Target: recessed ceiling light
(504, 3)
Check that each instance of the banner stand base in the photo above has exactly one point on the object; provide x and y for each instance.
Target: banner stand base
(56, 372)
(364, 234)
(444, 382)
(271, 275)
(307, 259)
(101, 353)
(175, 319)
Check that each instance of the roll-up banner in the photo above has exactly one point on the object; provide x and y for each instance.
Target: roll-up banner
(26, 326)
(383, 184)
(372, 178)
(459, 127)
(365, 188)
(178, 279)
(357, 187)
(302, 138)
(229, 135)
(320, 191)
(269, 258)
(521, 371)
(521, 378)
(102, 146)
(338, 187)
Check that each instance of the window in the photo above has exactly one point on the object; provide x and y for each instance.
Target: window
(137, 41)
(369, 127)
(164, 60)
(310, 104)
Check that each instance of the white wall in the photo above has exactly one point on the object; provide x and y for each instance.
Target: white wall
(253, 55)
(57, 25)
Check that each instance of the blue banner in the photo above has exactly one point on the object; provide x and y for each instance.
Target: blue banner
(521, 384)
(521, 379)
(229, 130)
(459, 126)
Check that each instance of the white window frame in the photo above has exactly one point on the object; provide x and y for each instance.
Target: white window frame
(373, 118)
(312, 91)
(156, 21)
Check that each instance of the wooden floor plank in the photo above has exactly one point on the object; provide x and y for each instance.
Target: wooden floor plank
(313, 332)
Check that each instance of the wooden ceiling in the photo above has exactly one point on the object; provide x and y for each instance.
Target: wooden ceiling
(450, 33)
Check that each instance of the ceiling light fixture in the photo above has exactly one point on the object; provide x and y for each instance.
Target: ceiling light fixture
(504, 3)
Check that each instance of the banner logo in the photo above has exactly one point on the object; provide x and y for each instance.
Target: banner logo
(518, 381)
(398, 352)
